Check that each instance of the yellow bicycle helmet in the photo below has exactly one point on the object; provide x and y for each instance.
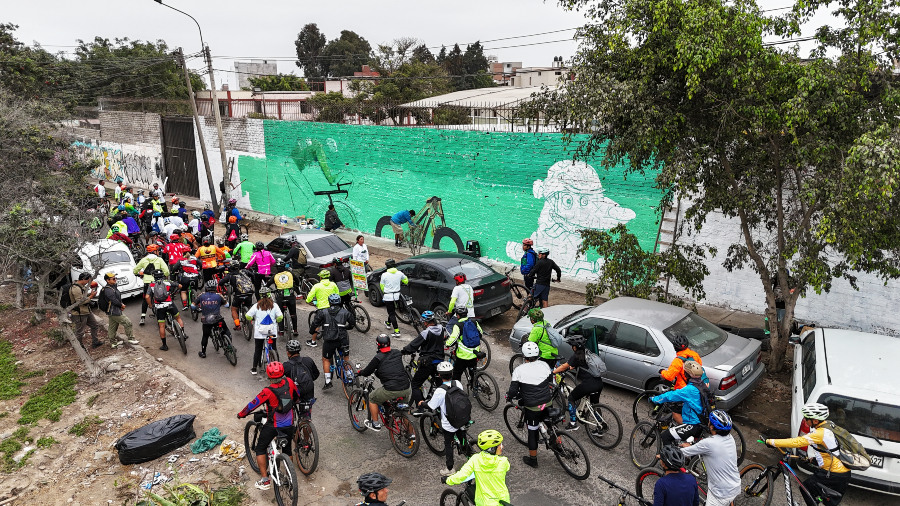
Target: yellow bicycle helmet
(324, 274)
(489, 439)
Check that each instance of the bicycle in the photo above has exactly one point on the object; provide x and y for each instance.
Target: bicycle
(343, 370)
(172, 328)
(757, 484)
(222, 340)
(408, 314)
(270, 351)
(568, 451)
(362, 321)
(479, 384)
(604, 428)
(642, 404)
(528, 303)
(430, 428)
(306, 439)
(193, 289)
(392, 414)
(246, 327)
(467, 498)
(281, 470)
(287, 322)
(625, 494)
(519, 291)
(645, 483)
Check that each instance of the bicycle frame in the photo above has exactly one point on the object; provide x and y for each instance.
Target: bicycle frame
(339, 366)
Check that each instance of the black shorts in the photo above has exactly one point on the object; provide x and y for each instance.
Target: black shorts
(330, 347)
(267, 434)
(242, 299)
(161, 312)
(185, 281)
(541, 292)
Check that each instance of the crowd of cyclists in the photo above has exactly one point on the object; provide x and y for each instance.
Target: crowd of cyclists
(183, 252)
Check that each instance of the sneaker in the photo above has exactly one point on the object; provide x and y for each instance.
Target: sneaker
(311, 343)
(376, 426)
(253, 371)
(164, 347)
(396, 334)
(328, 385)
(114, 345)
(572, 426)
(201, 354)
(184, 308)
(446, 472)
(133, 341)
(388, 325)
(530, 461)
(142, 320)
(263, 484)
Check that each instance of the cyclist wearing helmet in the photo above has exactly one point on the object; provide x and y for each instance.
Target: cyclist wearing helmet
(209, 303)
(302, 370)
(188, 271)
(387, 365)
(232, 232)
(335, 320)
(340, 275)
(530, 383)
(182, 212)
(466, 357)
(489, 469)
(285, 296)
(675, 372)
(175, 250)
(676, 487)
(821, 448)
(195, 222)
(145, 268)
(208, 228)
(156, 201)
(319, 293)
(169, 227)
(374, 488)
(162, 301)
(541, 273)
(280, 387)
(391, 282)
(295, 260)
(720, 460)
(267, 314)
(264, 261)
(541, 337)
(691, 409)
(208, 259)
(207, 211)
(223, 252)
(243, 251)
(463, 295)
(438, 400)
(231, 211)
(156, 191)
(590, 371)
(241, 283)
(529, 258)
(430, 346)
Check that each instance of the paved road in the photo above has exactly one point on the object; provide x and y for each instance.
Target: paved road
(346, 454)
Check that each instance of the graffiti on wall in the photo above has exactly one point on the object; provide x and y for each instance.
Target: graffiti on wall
(118, 165)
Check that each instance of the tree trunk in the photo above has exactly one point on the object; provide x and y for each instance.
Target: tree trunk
(20, 295)
(93, 370)
(780, 334)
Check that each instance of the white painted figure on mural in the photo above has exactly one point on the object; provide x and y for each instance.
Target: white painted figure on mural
(573, 200)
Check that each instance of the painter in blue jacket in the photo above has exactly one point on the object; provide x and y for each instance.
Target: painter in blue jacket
(397, 221)
(691, 407)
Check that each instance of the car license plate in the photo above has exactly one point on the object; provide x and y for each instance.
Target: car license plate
(495, 311)
(877, 461)
(747, 369)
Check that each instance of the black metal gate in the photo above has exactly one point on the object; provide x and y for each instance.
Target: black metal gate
(180, 155)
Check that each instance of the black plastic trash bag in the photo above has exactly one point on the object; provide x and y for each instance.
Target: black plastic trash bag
(155, 439)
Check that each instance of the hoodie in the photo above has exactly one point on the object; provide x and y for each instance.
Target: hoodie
(675, 372)
(320, 292)
(391, 281)
(490, 475)
(429, 343)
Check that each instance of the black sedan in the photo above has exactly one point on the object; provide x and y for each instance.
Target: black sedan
(431, 283)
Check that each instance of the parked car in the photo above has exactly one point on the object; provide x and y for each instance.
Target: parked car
(321, 248)
(632, 337)
(104, 256)
(431, 283)
(850, 372)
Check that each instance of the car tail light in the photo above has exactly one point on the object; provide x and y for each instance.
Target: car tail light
(325, 266)
(505, 282)
(758, 358)
(728, 382)
(479, 292)
(804, 430)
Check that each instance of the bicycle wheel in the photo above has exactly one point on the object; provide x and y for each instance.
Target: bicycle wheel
(645, 483)
(572, 457)
(527, 305)
(449, 498)
(288, 326)
(195, 315)
(607, 433)
(246, 327)
(251, 434)
(179, 334)
(347, 377)
(403, 436)
(482, 363)
(697, 468)
(216, 339)
(642, 408)
(740, 443)
(230, 351)
(363, 322)
(273, 353)
(309, 319)
(516, 360)
(485, 390)
(306, 447)
(519, 294)
(285, 481)
(756, 487)
(515, 422)
(358, 409)
(404, 315)
(430, 431)
(645, 445)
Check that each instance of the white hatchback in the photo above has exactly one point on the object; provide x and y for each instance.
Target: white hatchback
(853, 374)
(104, 256)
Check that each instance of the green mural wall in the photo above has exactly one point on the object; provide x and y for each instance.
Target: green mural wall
(497, 188)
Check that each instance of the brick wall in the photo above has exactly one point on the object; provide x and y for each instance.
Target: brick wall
(129, 127)
(241, 134)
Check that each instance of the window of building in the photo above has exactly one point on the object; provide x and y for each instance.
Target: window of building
(559, 73)
(512, 81)
(539, 73)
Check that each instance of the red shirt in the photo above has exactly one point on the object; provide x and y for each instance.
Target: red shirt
(175, 250)
(268, 397)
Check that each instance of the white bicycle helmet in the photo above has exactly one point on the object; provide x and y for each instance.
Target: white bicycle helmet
(444, 367)
(814, 411)
(530, 350)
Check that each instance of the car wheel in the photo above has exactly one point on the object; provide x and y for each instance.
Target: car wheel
(440, 313)
(375, 296)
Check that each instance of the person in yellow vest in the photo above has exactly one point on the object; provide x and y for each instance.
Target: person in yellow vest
(319, 293)
(207, 256)
(285, 296)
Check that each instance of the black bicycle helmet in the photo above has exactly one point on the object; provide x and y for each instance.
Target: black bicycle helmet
(370, 483)
(293, 346)
(383, 341)
(672, 457)
(576, 340)
(679, 342)
(259, 246)
(390, 263)
(211, 285)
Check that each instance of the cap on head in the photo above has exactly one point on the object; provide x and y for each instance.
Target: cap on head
(109, 275)
(535, 314)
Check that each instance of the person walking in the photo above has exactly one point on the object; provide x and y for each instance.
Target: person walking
(82, 291)
(397, 221)
(111, 297)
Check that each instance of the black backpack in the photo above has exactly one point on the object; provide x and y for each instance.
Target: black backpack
(103, 301)
(285, 401)
(301, 377)
(64, 299)
(707, 399)
(457, 405)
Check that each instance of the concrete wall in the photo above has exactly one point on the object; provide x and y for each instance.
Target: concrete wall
(244, 139)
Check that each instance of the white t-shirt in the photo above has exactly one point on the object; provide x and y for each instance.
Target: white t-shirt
(392, 282)
(720, 457)
(177, 221)
(101, 190)
(437, 401)
(259, 315)
(361, 252)
(195, 226)
(170, 229)
(464, 298)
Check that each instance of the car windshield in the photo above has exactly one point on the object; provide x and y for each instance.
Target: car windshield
(472, 270)
(326, 246)
(110, 258)
(704, 337)
(577, 314)
(866, 418)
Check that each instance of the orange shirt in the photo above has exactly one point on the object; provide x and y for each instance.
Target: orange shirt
(675, 372)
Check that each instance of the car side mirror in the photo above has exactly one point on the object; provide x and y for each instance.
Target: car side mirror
(794, 340)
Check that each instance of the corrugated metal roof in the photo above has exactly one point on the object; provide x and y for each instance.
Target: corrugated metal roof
(482, 97)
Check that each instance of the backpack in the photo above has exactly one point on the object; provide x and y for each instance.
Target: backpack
(471, 337)
(285, 401)
(556, 339)
(595, 365)
(301, 377)
(160, 292)
(850, 452)
(232, 236)
(707, 399)
(103, 301)
(457, 405)
(243, 284)
(65, 300)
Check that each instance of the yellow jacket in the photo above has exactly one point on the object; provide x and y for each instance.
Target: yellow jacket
(817, 443)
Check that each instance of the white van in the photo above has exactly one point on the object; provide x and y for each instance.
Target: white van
(853, 373)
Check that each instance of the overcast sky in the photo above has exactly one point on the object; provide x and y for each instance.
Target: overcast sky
(268, 29)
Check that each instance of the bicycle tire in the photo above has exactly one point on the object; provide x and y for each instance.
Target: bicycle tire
(347, 377)
(309, 319)
(515, 422)
(404, 315)
(644, 445)
(306, 447)
(642, 406)
(485, 390)
(569, 453)
(358, 409)
(519, 294)
(363, 321)
(230, 350)
(251, 435)
(404, 440)
(609, 424)
(216, 335)
(756, 486)
(741, 444)
(449, 498)
(246, 326)
(430, 431)
(515, 361)
(288, 326)
(527, 305)
(195, 315)
(286, 493)
(645, 483)
(696, 467)
(482, 363)
(180, 336)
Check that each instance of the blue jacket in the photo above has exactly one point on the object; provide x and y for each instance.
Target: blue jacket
(402, 217)
(236, 214)
(690, 396)
(183, 214)
(528, 260)
(132, 225)
(208, 213)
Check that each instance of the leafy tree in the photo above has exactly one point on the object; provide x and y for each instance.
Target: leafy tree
(333, 106)
(422, 54)
(451, 115)
(453, 62)
(28, 72)
(441, 56)
(309, 44)
(345, 55)
(801, 154)
(476, 69)
(279, 82)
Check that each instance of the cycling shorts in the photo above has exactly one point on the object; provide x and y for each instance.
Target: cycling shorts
(329, 348)
(161, 312)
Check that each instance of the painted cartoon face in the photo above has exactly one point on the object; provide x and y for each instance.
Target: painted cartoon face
(586, 210)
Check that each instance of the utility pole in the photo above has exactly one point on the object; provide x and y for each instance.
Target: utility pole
(226, 174)
(187, 77)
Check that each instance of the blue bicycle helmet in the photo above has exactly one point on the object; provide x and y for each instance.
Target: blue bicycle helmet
(121, 208)
(427, 316)
(720, 420)
(157, 214)
(334, 299)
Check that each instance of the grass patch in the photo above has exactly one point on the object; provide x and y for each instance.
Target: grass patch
(49, 400)
(32, 374)
(80, 428)
(46, 442)
(4, 415)
(91, 400)
(56, 335)
(5, 307)
(187, 493)
(11, 446)
(10, 385)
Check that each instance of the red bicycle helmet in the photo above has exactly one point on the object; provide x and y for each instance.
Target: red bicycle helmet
(275, 370)
(460, 278)
(528, 242)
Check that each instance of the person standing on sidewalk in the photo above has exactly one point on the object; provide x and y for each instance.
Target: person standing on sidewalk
(541, 274)
(529, 258)
(114, 309)
(83, 291)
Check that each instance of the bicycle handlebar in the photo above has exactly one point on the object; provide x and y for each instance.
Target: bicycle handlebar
(641, 501)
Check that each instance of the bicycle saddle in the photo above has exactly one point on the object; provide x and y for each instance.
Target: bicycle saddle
(555, 414)
(828, 493)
